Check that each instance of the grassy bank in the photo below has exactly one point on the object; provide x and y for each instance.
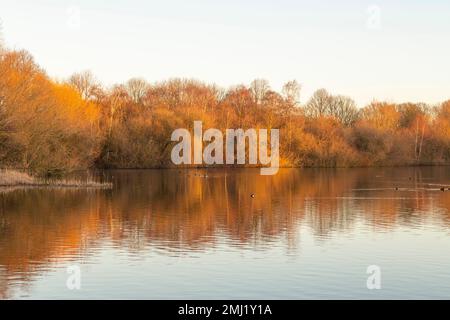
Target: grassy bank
(14, 178)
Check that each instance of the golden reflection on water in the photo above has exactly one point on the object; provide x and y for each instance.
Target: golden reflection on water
(182, 210)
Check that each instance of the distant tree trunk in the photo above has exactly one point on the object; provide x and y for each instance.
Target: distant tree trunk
(416, 157)
(421, 141)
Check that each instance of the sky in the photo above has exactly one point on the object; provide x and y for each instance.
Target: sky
(396, 51)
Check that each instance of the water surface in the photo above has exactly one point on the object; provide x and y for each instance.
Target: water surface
(191, 234)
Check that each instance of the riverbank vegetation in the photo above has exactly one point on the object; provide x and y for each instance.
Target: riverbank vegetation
(14, 178)
(51, 126)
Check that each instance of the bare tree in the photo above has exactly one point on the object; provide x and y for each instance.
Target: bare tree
(86, 84)
(344, 109)
(136, 89)
(340, 107)
(418, 145)
(259, 88)
(319, 104)
(117, 100)
(1, 35)
(291, 92)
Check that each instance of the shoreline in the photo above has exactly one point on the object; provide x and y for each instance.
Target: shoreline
(280, 167)
(405, 165)
(15, 178)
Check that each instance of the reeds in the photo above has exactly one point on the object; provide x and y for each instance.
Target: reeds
(14, 178)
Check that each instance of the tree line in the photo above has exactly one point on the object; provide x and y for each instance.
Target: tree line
(49, 126)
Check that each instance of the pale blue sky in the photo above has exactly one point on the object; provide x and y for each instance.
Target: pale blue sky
(339, 46)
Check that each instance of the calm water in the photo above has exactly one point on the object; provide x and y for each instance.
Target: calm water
(174, 234)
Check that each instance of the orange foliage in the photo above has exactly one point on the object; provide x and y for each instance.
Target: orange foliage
(48, 126)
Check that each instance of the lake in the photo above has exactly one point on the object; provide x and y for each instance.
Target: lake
(199, 234)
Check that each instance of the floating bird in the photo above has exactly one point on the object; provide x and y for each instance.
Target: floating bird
(252, 195)
(442, 189)
(396, 188)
